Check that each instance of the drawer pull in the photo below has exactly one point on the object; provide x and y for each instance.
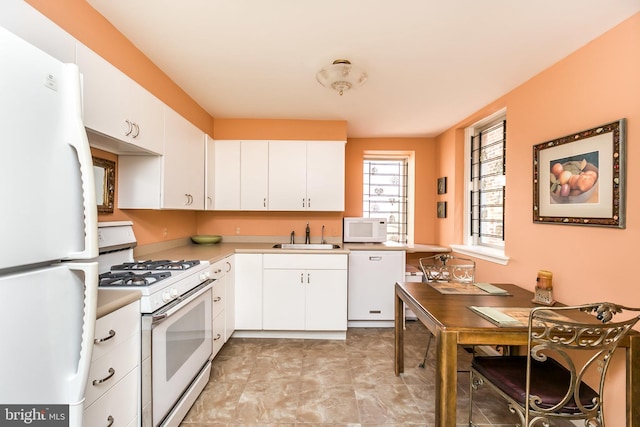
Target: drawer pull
(217, 299)
(112, 372)
(375, 258)
(112, 334)
(110, 420)
(375, 311)
(217, 337)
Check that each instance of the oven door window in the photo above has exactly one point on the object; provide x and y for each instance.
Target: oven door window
(181, 346)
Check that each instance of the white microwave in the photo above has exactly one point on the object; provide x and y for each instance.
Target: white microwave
(364, 230)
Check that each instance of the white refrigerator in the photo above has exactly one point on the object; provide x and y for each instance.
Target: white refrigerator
(48, 239)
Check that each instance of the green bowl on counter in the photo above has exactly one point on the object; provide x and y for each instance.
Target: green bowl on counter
(206, 239)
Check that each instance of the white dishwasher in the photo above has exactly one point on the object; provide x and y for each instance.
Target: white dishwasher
(372, 279)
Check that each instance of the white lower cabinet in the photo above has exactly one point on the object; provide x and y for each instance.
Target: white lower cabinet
(304, 292)
(372, 279)
(113, 388)
(248, 291)
(217, 315)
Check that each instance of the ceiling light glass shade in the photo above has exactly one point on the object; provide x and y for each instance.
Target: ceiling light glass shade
(341, 76)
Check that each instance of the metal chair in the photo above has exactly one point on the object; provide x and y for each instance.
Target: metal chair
(446, 268)
(548, 383)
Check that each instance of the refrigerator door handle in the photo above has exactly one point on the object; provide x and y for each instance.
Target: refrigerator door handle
(90, 271)
(77, 136)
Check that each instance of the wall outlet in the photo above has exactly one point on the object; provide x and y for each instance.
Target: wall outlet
(165, 233)
(237, 230)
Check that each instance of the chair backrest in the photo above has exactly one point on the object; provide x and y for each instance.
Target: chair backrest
(448, 268)
(583, 343)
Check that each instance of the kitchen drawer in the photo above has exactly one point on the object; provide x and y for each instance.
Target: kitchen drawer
(122, 360)
(304, 261)
(218, 333)
(123, 322)
(120, 403)
(218, 298)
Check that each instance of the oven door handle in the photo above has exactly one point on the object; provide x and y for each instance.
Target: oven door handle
(177, 304)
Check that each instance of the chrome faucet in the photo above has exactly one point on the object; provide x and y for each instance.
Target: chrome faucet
(292, 239)
(307, 234)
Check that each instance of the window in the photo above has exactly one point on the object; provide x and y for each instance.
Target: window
(488, 184)
(485, 151)
(385, 193)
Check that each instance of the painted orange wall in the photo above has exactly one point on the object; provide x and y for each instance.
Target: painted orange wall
(425, 179)
(274, 223)
(597, 84)
(265, 129)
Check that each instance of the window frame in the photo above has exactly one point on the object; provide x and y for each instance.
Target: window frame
(494, 254)
(409, 157)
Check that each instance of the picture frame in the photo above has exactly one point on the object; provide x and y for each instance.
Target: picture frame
(580, 179)
(104, 176)
(441, 209)
(442, 185)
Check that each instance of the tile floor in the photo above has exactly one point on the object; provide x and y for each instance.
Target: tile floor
(290, 382)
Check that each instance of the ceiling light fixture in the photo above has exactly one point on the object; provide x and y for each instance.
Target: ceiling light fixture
(341, 76)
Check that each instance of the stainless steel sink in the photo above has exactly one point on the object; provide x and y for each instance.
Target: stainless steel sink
(308, 246)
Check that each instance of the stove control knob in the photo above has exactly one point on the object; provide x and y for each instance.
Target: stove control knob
(205, 275)
(166, 297)
(174, 292)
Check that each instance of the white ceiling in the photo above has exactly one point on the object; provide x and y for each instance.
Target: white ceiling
(431, 63)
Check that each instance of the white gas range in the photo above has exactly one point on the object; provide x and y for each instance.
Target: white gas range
(159, 281)
(176, 310)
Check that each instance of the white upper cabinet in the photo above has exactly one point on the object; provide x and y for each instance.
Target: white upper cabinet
(241, 175)
(29, 24)
(118, 107)
(226, 194)
(254, 175)
(175, 180)
(325, 176)
(306, 175)
(184, 162)
(209, 172)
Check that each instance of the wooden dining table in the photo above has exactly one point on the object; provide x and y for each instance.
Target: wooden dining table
(451, 321)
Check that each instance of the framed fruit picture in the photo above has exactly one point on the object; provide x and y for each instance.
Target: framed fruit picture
(579, 179)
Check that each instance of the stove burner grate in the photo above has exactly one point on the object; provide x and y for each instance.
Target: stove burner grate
(129, 278)
(156, 265)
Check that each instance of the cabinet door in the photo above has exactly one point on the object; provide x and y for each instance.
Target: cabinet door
(145, 112)
(229, 308)
(283, 300)
(103, 88)
(325, 176)
(254, 175)
(209, 172)
(26, 22)
(248, 291)
(287, 175)
(183, 174)
(326, 300)
(227, 175)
